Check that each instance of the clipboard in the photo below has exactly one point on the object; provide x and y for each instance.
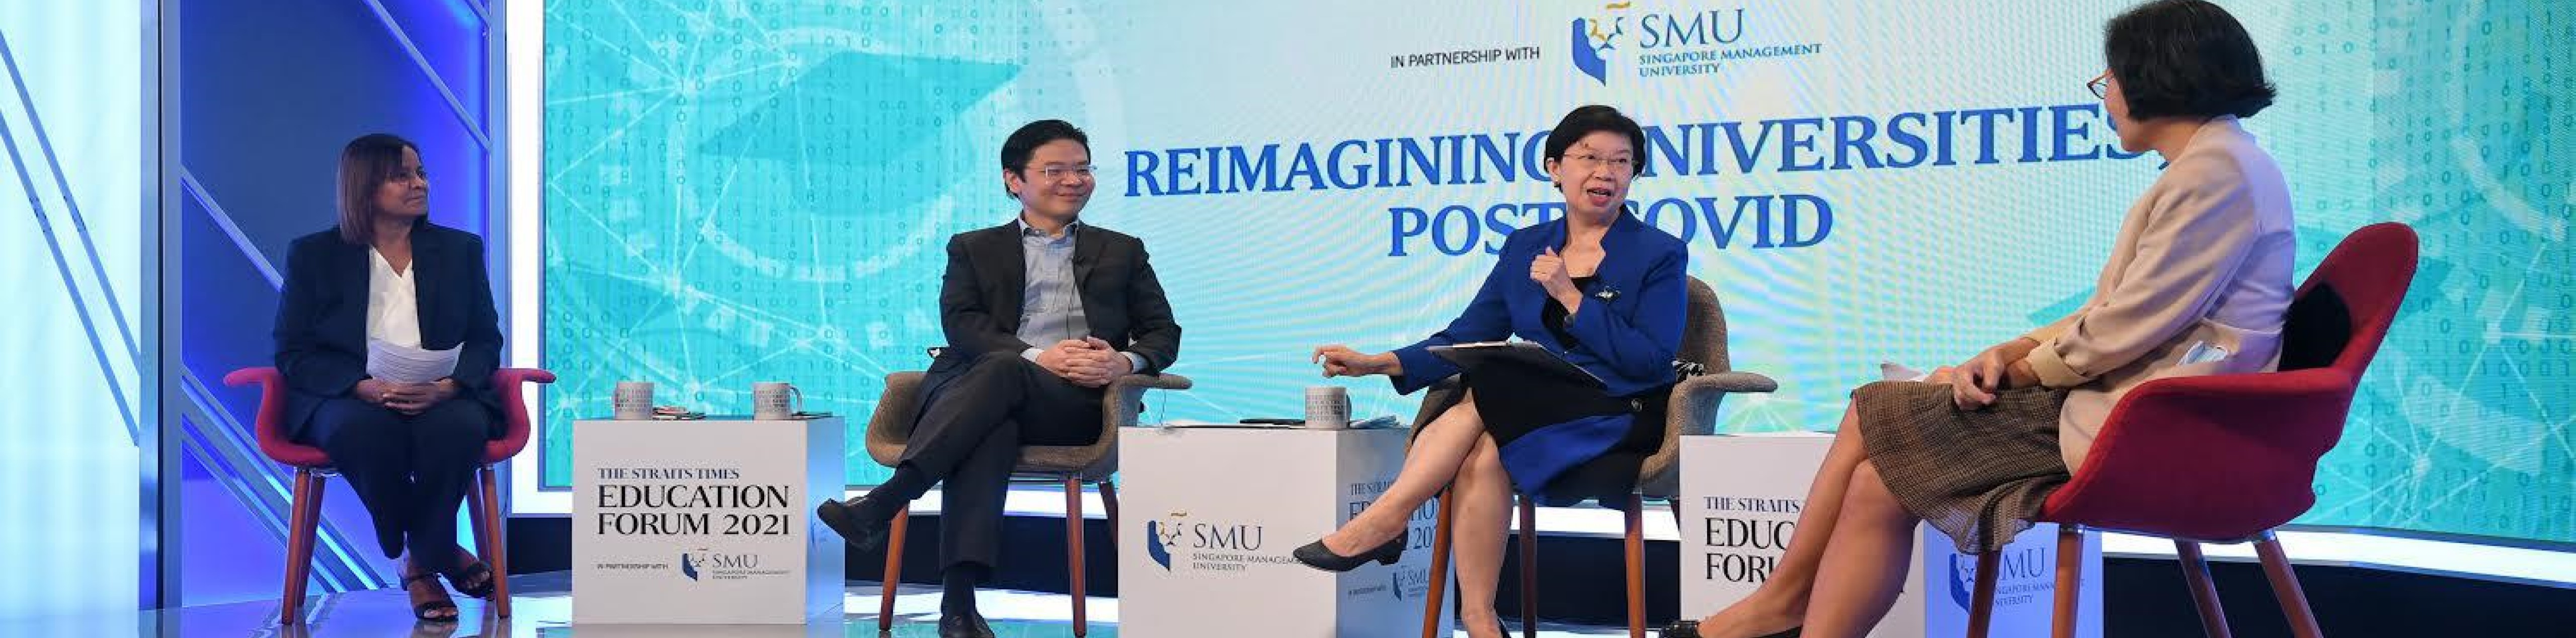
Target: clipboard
(1521, 354)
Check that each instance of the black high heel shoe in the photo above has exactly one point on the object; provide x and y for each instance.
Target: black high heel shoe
(1690, 629)
(1500, 629)
(1315, 555)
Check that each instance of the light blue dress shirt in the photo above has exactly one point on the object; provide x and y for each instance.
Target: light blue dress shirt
(1050, 302)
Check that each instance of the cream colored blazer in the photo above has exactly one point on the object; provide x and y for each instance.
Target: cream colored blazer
(2197, 284)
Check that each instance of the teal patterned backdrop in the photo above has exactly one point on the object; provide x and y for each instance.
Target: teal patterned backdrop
(759, 190)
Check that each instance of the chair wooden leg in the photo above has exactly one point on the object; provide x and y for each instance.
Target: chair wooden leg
(1439, 568)
(1981, 604)
(479, 525)
(494, 551)
(1636, 553)
(2285, 586)
(1527, 538)
(474, 512)
(2204, 594)
(893, 569)
(1073, 553)
(305, 501)
(2070, 579)
(1109, 508)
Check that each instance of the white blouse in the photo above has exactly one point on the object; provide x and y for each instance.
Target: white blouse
(393, 311)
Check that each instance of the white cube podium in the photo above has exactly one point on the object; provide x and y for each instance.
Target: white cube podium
(1741, 495)
(1209, 516)
(705, 522)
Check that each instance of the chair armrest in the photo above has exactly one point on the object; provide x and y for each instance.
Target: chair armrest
(263, 375)
(512, 377)
(268, 425)
(2221, 456)
(890, 425)
(1120, 405)
(1142, 382)
(1124, 400)
(1728, 382)
(1692, 412)
(1694, 403)
(510, 386)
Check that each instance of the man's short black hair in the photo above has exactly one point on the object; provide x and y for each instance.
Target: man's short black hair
(2185, 58)
(1025, 142)
(1591, 119)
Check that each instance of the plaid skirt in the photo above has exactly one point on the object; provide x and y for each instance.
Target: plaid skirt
(1979, 476)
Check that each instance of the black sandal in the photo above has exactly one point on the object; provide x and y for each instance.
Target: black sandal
(420, 611)
(470, 572)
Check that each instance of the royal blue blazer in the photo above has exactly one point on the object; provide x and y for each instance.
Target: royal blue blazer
(1628, 330)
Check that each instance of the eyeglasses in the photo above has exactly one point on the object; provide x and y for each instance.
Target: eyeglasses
(1586, 162)
(1058, 173)
(2101, 86)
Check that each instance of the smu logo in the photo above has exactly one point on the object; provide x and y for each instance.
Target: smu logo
(1408, 582)
(1231, 547)
(2018, 565)
(703, 559)
(1163, 536)
(1710, 28)
(1672, 42)
(1963, 580)
(1593, 41)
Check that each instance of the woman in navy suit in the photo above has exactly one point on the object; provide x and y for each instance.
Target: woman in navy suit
(386, 273)
(1601, 289)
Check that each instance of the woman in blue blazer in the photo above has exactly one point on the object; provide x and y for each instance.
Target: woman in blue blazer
(1601, 289)
(386, 273)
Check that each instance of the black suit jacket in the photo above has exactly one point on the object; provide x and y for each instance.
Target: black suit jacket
(322, 318)
(979, 299)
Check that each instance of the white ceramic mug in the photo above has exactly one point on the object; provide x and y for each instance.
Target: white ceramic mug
(1328, 407)
(775, 400)
(632, 401)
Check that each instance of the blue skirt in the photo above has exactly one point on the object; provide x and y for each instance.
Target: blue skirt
(1566, 441)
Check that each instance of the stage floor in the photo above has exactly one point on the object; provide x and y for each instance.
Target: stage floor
(543, 609)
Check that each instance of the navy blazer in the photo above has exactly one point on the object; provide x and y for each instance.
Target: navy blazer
(1628, 330)
(1122, 301)
(321, 327)
(980, 295)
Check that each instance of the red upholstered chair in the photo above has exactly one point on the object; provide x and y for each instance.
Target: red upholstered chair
(2225, 459)
(312, 466)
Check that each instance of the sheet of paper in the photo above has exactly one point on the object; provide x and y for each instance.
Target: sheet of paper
(401, 364)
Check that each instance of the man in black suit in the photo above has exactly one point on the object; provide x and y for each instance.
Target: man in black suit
(1041, 314)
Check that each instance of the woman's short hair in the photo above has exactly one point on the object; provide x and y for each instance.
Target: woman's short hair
(364, 165)
(1591, 119)
(2185, 58)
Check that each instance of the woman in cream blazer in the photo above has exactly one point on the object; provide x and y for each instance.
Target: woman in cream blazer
(2198, 283)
